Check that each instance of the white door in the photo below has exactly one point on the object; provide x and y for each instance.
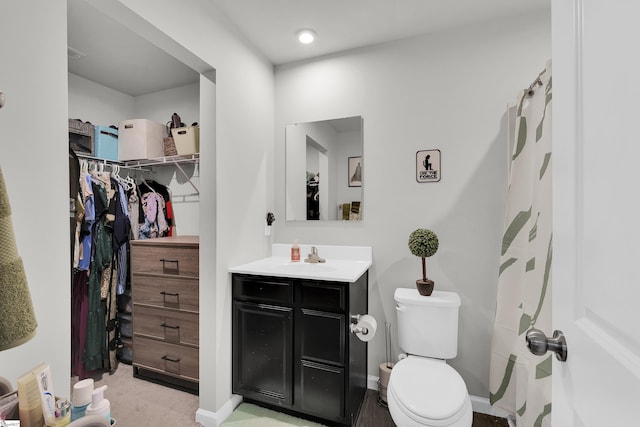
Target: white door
(596, 203)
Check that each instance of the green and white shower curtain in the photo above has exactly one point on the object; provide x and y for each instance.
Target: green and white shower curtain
(520, 382)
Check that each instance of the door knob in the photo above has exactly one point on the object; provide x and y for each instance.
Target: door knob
(539, 344)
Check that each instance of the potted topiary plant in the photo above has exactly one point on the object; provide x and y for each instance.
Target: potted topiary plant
(423, 243)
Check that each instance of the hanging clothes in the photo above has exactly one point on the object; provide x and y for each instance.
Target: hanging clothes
(84, 233)
(101, 268)
(134, 212)
(74, 189)
(95, 350)
(121, 230)
(79, 308)
(155, 212)
(159, 222)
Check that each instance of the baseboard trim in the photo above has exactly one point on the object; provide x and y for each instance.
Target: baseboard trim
(215, 419)
(480, 404)
(372, 382)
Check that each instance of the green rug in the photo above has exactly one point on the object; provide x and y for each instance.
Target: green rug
(249, 415)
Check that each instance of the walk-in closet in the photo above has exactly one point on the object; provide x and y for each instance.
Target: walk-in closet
(134, 219)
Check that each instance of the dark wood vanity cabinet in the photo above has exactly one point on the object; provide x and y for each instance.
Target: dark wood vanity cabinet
(263, 339)
(292, 346)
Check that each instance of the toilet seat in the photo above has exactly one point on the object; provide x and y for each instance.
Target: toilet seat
(429, 392)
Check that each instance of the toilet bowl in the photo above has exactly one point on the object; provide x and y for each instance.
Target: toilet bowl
(425, 392)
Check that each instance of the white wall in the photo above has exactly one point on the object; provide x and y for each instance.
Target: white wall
(90, 101)
(447, 91)
(296, 162)
(34, 159)
(236, 177)
(159, 106)
(236, 187)
(100, 105)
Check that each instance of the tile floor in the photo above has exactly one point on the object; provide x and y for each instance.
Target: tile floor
(373, 414)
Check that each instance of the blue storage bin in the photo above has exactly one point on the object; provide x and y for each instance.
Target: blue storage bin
(106, 143)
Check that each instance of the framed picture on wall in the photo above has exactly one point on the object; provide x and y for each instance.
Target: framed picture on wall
(428, 166)
(355, 172)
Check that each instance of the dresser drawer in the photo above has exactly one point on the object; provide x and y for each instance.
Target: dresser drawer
(166, 358)
(172, 292)
(170, 326)
(329, 296)
(158, 258)
(264, 290)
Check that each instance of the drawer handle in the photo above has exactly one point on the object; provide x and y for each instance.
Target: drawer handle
(168, 359)
(165, 261)
(164, 325)
(163, 293)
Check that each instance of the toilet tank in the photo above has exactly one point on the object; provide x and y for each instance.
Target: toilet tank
(428, 325)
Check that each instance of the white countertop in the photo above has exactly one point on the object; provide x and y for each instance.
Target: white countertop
(343, 263)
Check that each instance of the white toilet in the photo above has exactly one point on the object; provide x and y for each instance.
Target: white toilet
(423, 390)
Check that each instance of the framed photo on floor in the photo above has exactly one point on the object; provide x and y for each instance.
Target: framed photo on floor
(355, 172)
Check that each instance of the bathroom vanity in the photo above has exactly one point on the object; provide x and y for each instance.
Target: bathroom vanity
(293, 349)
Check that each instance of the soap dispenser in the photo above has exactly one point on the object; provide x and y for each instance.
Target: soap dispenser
(99, 405)
(295, 252)
(82, 395)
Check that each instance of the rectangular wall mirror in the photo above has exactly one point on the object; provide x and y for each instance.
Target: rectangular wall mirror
(324, 170)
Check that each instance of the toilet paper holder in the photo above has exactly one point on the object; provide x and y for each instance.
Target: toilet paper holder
(354, 328)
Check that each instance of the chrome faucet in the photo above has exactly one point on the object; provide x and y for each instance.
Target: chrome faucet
(314, 257)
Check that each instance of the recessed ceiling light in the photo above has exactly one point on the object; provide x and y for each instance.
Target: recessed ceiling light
(306, 36)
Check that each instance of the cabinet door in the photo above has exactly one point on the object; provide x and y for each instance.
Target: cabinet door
(262, 352)
(322, 336)
(322, 390)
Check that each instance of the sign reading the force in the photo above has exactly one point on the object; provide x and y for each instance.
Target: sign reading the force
(428, 166)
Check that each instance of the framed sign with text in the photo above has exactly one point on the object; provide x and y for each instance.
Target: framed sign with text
(428, 166)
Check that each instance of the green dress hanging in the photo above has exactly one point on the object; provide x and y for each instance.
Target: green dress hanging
(95, 350)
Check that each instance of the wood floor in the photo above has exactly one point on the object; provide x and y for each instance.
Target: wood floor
(373, 414)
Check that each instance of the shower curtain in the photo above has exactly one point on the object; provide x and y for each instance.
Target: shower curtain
(520, 382)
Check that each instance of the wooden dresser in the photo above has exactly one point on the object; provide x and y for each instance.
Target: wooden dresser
(165, 297)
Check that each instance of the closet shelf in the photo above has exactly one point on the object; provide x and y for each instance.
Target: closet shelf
(144, 164)
(156, 161)
(170, 160)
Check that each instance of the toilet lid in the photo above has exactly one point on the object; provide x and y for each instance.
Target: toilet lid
(428, 389)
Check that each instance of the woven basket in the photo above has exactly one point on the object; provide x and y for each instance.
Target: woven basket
(81, 128)
(169, 146)
(81, 137)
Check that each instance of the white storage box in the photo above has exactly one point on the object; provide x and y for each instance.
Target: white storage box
(186, 139)
(140, 139)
